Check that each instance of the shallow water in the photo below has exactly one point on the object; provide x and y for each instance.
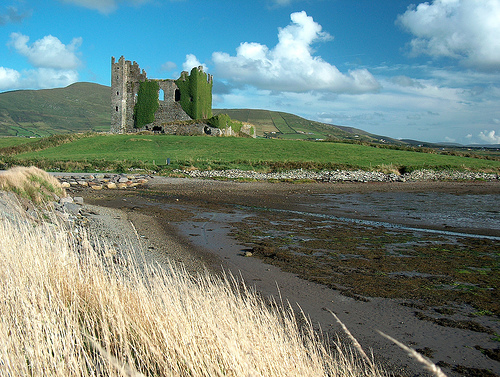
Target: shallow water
(475, 213)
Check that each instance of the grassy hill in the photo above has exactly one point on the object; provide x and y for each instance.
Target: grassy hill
(288, 126)
(79, 107)
(83, 107)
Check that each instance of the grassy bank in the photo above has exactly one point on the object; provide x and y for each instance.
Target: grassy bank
(32, 184)
(150, 152)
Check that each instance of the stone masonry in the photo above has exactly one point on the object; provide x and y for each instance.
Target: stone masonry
(125, 82)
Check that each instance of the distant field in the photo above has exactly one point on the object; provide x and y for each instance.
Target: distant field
(258, 154)
(13, 141)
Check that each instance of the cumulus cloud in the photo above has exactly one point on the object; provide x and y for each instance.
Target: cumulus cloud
(8, 78)
(54, 64)
(13, 15)
(290, 65)
(466, 30)
(490, 137)
(191, 62)
(48, 52)
(51, 78)
(40, 78)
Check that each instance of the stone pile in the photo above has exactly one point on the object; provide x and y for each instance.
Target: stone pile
(100, 181)
(344, 175)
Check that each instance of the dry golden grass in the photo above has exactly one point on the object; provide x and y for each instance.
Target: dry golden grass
(31, 183)
(66, 309)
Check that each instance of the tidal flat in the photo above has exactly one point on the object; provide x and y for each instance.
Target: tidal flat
(418, 261)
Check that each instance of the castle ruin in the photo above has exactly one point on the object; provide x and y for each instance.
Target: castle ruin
(138, 102)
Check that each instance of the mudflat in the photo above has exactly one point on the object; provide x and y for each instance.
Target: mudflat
(416, 260)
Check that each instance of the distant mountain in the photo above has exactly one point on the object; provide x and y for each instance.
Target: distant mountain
(79, 107)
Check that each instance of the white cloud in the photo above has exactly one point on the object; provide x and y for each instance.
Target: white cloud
(48, 52)
(41, 78)
(54, 64)
(50, 78)
(8, 78)
(191, 62)
(466, 30)
(290, 65)
(490, 137)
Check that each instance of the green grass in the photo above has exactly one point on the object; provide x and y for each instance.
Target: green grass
(258, 154)
(13, 141)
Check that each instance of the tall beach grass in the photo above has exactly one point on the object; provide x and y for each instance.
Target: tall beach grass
(67, 309)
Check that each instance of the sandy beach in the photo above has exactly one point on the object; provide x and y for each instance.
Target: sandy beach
(193, 222)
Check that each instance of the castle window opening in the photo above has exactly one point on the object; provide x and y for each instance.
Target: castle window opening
(116, 108)
(117, 93)
(177, 95)
(161, 95)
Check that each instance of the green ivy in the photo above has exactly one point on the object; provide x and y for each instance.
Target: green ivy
(223, 121)
(196, 94)
(147, 103)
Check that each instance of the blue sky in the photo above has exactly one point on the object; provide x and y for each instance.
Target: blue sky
(401, 68)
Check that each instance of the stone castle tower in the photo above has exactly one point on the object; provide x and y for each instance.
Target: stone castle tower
(126, 78)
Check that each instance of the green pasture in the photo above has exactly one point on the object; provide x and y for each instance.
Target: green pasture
(13, 141)
(245, 153)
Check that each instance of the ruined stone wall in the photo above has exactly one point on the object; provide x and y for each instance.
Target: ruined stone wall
(125, 79)
(170, 108)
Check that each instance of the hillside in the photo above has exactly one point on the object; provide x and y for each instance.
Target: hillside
(83, 107)
(79, 107)
(288, 126)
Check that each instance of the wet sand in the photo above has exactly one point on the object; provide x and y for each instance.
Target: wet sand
(196, 218)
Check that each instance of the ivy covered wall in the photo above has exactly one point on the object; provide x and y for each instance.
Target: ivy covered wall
(224, 121)
(196, 94)
(147, 103)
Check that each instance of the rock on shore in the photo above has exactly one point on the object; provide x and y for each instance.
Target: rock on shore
(121, 181)
(345, 175)
(101, 181)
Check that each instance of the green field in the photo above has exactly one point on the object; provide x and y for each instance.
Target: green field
(13, 141)
(257, 154)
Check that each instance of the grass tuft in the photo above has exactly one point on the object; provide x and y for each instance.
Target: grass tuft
(31, 183)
